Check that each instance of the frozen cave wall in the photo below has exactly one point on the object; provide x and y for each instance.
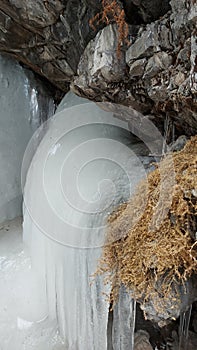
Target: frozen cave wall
(24, 105)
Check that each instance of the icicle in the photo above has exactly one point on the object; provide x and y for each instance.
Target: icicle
(166, 134)
(184, 329)
(124, 322)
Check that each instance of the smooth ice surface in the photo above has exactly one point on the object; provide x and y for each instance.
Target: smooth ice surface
(23, 107)
(21, 298)
(70, 100)
(123, 325)
(82, 169)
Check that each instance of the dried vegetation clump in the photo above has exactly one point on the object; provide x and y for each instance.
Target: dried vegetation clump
(150, 259)
(113, 12)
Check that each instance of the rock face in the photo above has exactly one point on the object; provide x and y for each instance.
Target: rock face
(173, 307)
(50, 36)
(155, 75)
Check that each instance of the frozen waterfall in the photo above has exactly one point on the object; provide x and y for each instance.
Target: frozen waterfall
(83, 168)
(25, 104)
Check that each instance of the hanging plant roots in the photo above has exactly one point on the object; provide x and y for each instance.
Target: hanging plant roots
(152, 261)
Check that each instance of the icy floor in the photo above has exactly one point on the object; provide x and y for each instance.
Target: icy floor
(20, 328)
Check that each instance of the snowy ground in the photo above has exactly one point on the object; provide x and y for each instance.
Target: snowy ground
(19, 327)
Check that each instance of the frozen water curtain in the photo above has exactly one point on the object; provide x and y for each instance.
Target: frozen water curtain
(83, 168)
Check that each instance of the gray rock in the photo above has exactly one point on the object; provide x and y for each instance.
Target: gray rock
(49, 36)
(137, 68)
(158, 62)
(163, 311)
(145, 46)
(100, 60)
(54, 39)
(141, 341)
(166, 84)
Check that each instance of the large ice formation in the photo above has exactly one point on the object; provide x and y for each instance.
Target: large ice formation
(83, 168)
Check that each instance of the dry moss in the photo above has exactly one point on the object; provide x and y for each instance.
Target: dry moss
(148, 258)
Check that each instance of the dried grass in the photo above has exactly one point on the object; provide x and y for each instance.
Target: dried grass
(148, 261)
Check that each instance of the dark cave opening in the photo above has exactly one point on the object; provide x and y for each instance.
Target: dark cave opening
(145, 11)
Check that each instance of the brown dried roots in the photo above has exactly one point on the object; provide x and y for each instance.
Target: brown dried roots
(113, 12)
(149, 260)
